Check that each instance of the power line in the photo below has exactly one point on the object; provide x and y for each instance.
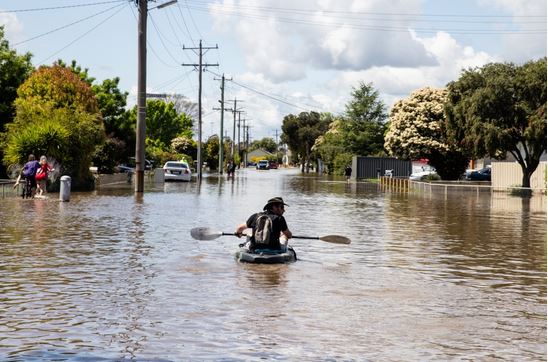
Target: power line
(80, 37)
(373, 27)
(275, 98)
(160, 36)
(346, 13)
(192, 18)
(60, 7)
(69, 25)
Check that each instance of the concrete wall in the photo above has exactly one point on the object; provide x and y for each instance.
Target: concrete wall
(507, 174)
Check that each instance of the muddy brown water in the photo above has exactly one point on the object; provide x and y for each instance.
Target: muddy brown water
(114, 276)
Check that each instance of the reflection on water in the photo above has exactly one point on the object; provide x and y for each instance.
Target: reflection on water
(111, 275)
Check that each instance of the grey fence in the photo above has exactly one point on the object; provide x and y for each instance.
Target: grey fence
(374, 167)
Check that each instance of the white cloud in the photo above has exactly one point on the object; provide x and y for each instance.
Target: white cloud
(12, 26)
(394, 83)
(337, 53)
(528, 15)
(277, 44)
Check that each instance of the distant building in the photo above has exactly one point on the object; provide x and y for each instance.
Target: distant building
(259, 154)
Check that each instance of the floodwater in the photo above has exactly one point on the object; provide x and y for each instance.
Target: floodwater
(111, 276)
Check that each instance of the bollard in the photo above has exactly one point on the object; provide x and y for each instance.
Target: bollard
(64, 193)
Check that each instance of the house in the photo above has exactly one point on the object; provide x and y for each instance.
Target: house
(259, 154)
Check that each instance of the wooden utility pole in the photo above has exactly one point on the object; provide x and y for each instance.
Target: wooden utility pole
(140, 131)
(141, 97)
(200, 65)
(222, 109)
(234, 111)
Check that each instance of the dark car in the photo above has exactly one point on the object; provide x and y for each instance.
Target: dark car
(273, 165)
(130, 165)
(479, 175)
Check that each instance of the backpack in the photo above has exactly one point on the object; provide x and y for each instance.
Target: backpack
(262, 230)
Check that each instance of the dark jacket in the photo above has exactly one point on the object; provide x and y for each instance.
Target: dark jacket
(278, 225)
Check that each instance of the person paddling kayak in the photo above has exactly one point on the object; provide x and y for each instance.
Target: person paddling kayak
(267, 226)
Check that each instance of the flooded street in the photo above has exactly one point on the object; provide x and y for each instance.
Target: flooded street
(110, 275)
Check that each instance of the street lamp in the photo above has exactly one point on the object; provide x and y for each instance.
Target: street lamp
(141, 92)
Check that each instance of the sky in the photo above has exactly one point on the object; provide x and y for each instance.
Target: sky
(283, 57)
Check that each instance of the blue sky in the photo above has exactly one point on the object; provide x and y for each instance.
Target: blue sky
(283, 56)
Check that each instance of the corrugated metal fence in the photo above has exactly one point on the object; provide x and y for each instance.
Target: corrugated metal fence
(509, 174)
(374, 167)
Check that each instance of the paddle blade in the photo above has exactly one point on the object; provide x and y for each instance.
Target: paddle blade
(204, 233)
(335, 239)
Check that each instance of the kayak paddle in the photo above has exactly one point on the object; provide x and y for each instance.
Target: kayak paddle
(205, 233)
(335, 239)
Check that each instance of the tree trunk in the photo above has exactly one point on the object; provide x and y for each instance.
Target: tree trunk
(526, 179)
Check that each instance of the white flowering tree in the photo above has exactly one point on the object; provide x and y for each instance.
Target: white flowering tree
(417, 131)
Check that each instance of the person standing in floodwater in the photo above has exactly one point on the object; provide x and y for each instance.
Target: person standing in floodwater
(28, 173)
(348, 173)
(42, 176)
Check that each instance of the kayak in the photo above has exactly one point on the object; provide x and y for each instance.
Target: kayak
(266, 256)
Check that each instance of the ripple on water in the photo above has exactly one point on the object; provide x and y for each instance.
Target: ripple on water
(112, 276)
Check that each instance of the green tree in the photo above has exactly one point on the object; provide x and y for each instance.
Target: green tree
(14, 70)
(163, 123)
(417, 130)
(331, 147)
(56, 114)
(120, 130)
(300, 133)
(267, 144)
(364, 125)
(211, 148)
(500, 108)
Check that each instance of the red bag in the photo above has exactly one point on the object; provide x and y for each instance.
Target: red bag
(41, 174)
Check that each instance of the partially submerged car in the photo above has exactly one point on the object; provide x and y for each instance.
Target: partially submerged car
(483, 174)
(423, 175)
(263, 165)
(129, 167)
(177, 171)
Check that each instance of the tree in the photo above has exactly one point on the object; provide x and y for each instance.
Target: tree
(120, 131)
(56, 114)
(331, 147)
(501, 108)
(183, 105)
(163, 123)
(212, 152)
(267, 144)
(119, 128)
(364, 124)
(14, 70)
(300, 132)
(417, 130)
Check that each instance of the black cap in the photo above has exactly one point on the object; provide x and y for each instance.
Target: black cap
(275, 200)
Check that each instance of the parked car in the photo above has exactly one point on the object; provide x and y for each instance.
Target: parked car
(130, 165)
(177, 171)
(422, 175)
(273, 165)
(263, 165)
(483, 174)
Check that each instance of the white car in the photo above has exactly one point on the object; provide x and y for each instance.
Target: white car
(177, 171)
(418, 176)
